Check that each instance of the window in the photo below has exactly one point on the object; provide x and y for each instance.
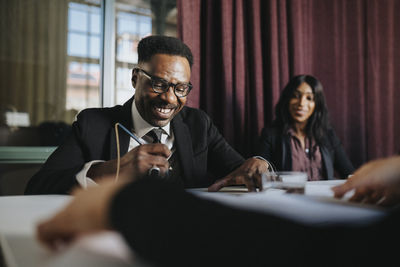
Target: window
(134, 20)
(84, 41)
(133, 23)
(53, 60)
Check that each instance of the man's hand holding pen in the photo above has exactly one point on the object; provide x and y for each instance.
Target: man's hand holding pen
(135, 164)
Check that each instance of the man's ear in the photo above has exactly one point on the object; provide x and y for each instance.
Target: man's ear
(134, 77)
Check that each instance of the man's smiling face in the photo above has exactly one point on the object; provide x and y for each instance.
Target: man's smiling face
(159, 109)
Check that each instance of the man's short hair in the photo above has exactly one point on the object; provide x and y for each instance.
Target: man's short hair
(157, 44)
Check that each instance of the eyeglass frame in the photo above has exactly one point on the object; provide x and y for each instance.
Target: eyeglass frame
(153, 79)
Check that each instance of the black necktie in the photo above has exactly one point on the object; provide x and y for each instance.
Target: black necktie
(174, 173)
(155, 134)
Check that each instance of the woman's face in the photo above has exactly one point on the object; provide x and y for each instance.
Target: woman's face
(302, 104)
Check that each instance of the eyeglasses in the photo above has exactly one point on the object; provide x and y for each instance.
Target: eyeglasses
(161, 86)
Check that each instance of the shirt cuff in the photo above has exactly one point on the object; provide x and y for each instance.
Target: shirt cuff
(81, 177)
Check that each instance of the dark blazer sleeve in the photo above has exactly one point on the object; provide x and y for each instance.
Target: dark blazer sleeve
(89, 140)
(341, 161)
(57, 175)
(204, 152)
(92, 138)
(222, 158)
(174, 228)
(272, 146)
(266, 144)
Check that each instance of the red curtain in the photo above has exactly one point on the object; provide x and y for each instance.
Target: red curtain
(246, 51)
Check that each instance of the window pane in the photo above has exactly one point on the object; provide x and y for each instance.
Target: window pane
(124, 78)
(82, 85)
(94, 50)
(95, 23)
(144, 26)
(124, 86)
(77, 45)
(127, 50)
(77, 20)
(126, 23)
(94, 71)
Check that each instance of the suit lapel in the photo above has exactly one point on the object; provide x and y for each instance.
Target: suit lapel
(124, 117)
(327, 161)
(183, 141)
(286, 154)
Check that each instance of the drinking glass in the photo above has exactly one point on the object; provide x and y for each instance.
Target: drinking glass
(290, 181)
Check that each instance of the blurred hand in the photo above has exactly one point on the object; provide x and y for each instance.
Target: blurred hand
(135, 164)
(86, 213)
(249, 174)
(376, 182)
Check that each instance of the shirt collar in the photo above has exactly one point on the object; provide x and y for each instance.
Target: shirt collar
(142, 127)
(290, 132)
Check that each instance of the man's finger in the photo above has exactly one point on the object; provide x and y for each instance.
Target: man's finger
(250, 184)
(257, 179)
(160, 161)
(215, 187)
(158, 149)
(226, 181)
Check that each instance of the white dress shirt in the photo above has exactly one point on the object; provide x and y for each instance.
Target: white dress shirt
(140, 129)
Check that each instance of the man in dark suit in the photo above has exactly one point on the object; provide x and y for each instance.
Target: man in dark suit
(172, 134)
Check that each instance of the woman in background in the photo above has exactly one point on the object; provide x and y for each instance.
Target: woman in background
(301, 138)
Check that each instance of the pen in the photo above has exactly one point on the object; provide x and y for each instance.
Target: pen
(131, 134)
(141, 143)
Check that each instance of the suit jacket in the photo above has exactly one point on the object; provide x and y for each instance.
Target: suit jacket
(275, 147)
(203, 152)
(177, 228)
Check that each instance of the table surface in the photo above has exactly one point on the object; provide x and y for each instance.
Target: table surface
(316, 206)
(19, 216)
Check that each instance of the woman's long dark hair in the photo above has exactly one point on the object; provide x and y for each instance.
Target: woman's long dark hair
(318, 123)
